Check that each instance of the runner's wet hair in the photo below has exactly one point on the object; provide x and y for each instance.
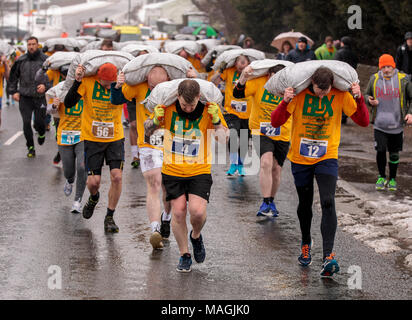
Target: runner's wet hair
(189, 90)
(323, 78)
(276, 68)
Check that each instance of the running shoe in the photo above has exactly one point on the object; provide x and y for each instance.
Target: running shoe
(135, 163)
(165, 228)
(156, 240)
(275, 212)
(392, 185)
(381, 183)
(232, 170)
(88, 208)
(264, 210)
(185, 263)
(241, 170)
(40, 139)
(126, 123)
(110, 225)
(31, 153)
(68, 188)
(76, 207)
(56, 159)
(199, 251)
(329, 267)
(305, 258)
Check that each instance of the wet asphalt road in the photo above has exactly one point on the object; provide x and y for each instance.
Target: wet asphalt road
(246, 258)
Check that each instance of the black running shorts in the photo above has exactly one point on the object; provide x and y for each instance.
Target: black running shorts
(198, 185)
(96, 152)
(131, 110)
(388, 142)
(279, 149)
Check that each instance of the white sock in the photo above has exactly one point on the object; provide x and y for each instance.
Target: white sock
(155, 225)
(166, 216)
(135, 151)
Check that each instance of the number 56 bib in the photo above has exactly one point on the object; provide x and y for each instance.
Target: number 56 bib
(104, 130)
(315, 149)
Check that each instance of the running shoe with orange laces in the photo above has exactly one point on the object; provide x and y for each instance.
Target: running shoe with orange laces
(305, 258)
(329, 267)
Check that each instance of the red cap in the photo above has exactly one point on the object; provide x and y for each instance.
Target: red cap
(386, 60)
(107, 71)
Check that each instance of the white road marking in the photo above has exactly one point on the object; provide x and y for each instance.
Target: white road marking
(13, 138)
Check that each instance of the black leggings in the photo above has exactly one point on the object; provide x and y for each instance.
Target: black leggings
(327, 186)
(27, 106)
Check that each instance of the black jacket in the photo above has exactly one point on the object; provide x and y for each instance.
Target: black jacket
(403, 59)
(23, 73)
(296, 55)
(347, 55)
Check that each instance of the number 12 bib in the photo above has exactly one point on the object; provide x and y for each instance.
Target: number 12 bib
(315, 149)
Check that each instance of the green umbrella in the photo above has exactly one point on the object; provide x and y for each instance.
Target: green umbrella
(210, 32)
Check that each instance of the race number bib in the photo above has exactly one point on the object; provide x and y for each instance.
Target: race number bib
(103, 130)
(70, 137)
(313, 148)
(156, 139)
(186, 147)
(267, 129)
(239, 106)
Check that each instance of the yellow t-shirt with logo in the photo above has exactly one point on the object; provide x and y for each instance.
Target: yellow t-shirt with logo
(187, 143)
(2, 71)
(316, 125)
(101, 120)
(54, 76)
(263, 106)
(69, 129)
(140, 92)
(238, 107)
(197, 64)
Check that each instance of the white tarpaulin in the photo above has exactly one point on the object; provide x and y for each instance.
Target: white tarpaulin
(136, 70)
(93, 59)
(135, 49)
(96, 45)
(298, 76)
(261, 67)
(191, 47)
(58, 91)
(165, 93)
(59, 59)
(70, 44)
(219, 50)
(209, 43)
(229, 57)
(5, 49)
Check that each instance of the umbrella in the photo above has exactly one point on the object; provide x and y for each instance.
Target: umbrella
(291, 36)
(187, 30)
(205, 30)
